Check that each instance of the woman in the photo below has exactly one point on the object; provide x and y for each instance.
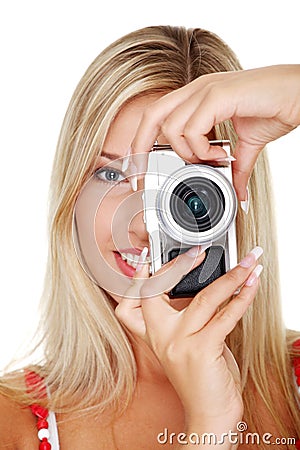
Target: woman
(122, 362)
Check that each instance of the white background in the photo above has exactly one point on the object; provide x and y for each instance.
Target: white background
(45, 48)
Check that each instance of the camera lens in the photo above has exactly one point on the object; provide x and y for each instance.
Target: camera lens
(197, 204)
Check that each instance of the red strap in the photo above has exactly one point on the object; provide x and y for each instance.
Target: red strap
(35, 385)
(296, 361)
(296, 364)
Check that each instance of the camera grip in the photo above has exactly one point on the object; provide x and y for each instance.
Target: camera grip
(209, 270)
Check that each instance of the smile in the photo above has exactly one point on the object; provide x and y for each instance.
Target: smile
(127, 262)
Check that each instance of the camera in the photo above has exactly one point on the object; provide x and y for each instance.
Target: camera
(187, 205)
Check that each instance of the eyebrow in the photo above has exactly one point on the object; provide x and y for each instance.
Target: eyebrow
(111, 156)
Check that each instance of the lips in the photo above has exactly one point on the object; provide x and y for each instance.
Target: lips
(127, 259)
(128, 270)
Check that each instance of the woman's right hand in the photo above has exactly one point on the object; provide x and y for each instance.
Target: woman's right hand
(190, 344)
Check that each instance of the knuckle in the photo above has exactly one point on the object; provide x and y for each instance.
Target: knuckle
(240, 171)
(190, 132)
(213, 91)
(202, 300)
(234, 277)
(151, 289)
(177, 352)
(121, 311)
(172, 352)
(226, 315)
(150, 113)
(218, 89)
(146, 290)
(245, 296)
(168, 129)
(118, 311)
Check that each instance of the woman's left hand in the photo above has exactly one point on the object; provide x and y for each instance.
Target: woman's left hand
(190, 344)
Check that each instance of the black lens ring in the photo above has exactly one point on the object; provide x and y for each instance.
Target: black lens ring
(214, 204)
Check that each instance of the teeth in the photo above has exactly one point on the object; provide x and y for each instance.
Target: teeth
(131, 259)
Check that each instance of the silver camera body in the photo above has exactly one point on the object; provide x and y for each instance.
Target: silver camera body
(187, 205)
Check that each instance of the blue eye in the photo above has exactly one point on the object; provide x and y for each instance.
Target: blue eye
(109, 175)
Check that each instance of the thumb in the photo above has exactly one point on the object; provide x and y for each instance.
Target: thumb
(246, 155)
(129, 310)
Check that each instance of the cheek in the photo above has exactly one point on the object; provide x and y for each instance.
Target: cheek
(114, 219)
(103, 221)
(95, 214)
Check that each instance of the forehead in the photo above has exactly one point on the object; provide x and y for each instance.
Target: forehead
(123, 128)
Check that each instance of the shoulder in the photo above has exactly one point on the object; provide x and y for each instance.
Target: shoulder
(17, 426)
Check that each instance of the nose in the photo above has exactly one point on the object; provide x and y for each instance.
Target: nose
(138, 235)
(127, 226)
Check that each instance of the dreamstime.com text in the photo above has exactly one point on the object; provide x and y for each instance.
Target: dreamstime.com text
(240, 436)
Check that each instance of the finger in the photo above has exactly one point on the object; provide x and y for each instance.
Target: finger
(131, 315)
(156, 308)
(197, 129)
(172, 272)
(129, 310)
(156, 114)
(206, 302)
(225, 320)
(181, 129)
(215, 105)
(153, 117)
(174, 125)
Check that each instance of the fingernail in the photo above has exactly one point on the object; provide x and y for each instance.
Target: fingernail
(254, 275)
(125, 163)
(204, 247)
(198, 250)
(226, 159)
(133, 182)
(253, 256)
(142, 259)
(245, 203)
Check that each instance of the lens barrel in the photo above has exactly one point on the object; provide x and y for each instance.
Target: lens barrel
(196, 204)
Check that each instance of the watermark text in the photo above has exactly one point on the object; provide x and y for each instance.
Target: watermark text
(240, 436)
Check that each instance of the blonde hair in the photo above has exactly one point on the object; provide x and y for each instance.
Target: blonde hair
(89, 360)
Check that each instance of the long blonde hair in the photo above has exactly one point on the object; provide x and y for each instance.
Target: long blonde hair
(88, 359)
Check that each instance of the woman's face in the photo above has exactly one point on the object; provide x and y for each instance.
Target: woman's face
(109, 213)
